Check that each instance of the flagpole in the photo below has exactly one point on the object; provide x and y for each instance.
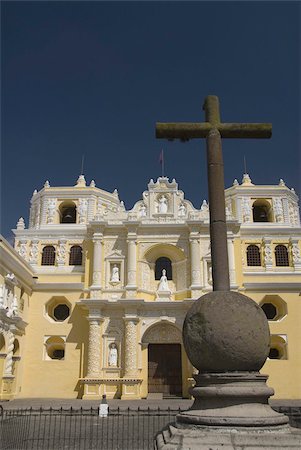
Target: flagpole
(162, 163)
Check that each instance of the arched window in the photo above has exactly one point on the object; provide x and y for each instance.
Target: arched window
(163, 263)
(253, 256)
(48, 256)
(261, 211)
(68, 213)
(281, 255)
(76, 256)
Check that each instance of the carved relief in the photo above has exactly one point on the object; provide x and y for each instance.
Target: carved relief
(162, 333)
(278, 209)
(51, 207)
(61, 253)
(82, 210)
(296, 253)
(246, 210)
(34, 252)
(293, 213)
(268, 254)
(22, 249)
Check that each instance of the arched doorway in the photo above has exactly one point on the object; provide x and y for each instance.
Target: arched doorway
(164, 360)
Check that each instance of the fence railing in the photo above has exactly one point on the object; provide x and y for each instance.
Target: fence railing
(60, 429)
(52, 429)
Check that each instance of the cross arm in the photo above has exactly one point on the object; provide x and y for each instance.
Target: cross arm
(245, 130)
(187, 130)
(182, 130)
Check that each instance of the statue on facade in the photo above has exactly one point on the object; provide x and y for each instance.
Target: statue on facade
(113, 355)
(182, 210)
(163, 207)
(163, 285)
(142, 210)
(115, 274)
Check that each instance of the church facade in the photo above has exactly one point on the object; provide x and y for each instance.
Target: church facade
(93, 297)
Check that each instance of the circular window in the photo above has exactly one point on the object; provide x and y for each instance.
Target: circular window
(61, 312)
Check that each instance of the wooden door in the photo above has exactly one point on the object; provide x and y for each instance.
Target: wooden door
(165, 369)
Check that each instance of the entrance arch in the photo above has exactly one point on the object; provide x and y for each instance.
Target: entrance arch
(164, 359)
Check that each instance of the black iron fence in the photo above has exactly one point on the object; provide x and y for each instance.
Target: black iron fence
(52, 429)
(60, 429)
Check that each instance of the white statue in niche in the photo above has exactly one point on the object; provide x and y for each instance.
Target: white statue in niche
(142, 210)
(113, 355)
(115, 274)
(182, 210)
(163, 285)
(163, 205)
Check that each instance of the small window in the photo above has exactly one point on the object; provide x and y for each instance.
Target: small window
(278, 347)
(253, 256)
(163, 263)
(281, 255)
(48, 256)
(76, 256)
(61, 312)
(270, 310)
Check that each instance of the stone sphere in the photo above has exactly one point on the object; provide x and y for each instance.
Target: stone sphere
(226, 331)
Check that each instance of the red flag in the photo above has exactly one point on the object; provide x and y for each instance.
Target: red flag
(161, 161)
(161, 157)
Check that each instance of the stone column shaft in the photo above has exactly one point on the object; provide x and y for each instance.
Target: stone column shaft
(94, 363)
(231, 259)
(131, 263)
(130, 360)
(97, 262)
(195, 263)
(8, 370)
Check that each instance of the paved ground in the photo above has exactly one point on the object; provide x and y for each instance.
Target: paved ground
(152, 404)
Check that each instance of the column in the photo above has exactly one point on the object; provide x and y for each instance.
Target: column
(8, 370)
(231, 259)
(130, 346)
(94, 354)
(131, 266)
(97, 262)
(195, 263)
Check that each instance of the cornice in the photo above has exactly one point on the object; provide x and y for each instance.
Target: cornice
(12, 262)
(58, 287)
(273, 286)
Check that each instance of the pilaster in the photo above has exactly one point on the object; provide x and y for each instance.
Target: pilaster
(96, 285)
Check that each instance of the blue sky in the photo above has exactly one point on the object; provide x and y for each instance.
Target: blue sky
(93, 78)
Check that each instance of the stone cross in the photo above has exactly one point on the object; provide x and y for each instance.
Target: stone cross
(213, 130)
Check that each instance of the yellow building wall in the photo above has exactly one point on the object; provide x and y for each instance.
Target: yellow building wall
(54, 378)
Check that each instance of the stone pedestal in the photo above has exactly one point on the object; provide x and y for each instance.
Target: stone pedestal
(163, 295)
(216, 438)
(226, 337)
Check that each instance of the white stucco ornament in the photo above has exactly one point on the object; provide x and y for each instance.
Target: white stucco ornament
(21, 224)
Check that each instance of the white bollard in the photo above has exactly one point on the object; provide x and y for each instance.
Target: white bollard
(103, 407)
